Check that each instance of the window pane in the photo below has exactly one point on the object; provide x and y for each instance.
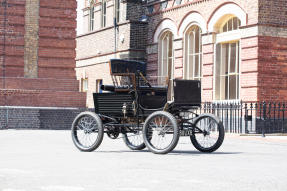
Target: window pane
(105, 7)
(225, 28)
(191, 45)
(238, 59)
(191, 61)
(186, 55)
(166, 53)
(164, 67)
(84, 85)
(196, 66)
(92, 18)
(170, 45)
(196, 41)
(230, 25)
(224, 60)
(200, 64)
(164, 42)
(232, 87)
(200, 42)
(164, 57)
(237, 86)
(178, 2)
(104, 11)
(217, 71)
(226, 88)
(223, 87)
(232, 58)
(235, 23)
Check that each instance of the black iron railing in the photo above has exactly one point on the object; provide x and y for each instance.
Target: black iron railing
(249, 117)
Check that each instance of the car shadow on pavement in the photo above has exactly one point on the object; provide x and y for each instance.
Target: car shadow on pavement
(186, 152)
(174, 152)
(124, 151)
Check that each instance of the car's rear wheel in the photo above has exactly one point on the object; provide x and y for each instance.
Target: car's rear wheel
(209, 133)
(133, 138)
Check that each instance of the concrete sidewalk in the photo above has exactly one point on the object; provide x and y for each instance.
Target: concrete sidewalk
(38, 160)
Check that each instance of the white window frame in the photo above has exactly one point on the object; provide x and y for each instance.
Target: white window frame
(84, 85)
(186, 65)
(223, 38)
(92, 17)
(104, 14)
(237, 65)
(161, 65)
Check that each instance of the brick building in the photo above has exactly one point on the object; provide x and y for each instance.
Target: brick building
(111, 29)
(37, 59)
(237, 48)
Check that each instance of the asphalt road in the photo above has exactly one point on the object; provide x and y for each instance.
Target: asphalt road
(35, 160)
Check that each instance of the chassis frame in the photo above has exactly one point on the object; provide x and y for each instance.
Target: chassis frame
(136, 110)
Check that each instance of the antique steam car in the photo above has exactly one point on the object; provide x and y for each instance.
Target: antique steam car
(147, 111)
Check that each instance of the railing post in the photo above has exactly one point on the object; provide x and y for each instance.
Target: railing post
(278, 116)
(250, 117)
(264, 119)
(241, 118)
(230, 118)
(246, 122)
(283, 118)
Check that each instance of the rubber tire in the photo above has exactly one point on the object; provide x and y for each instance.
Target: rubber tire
(100, 132)
(130, 145)
(219, 140)
(175, 128)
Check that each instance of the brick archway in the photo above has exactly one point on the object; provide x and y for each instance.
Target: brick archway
(166, 24)
(192, 18)
(223, 10)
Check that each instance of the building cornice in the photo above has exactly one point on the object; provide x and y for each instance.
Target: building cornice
(158, 12)
(110, 53)
(111, 27)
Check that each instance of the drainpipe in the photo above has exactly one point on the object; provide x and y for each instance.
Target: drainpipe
(115, 29)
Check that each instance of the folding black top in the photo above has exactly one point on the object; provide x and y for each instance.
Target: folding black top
(119, 66)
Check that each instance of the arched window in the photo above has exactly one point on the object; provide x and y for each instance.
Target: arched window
(92, 16)
(104, 13)
(165, 53)
(232, 24)
(193, 54)
(227, 64)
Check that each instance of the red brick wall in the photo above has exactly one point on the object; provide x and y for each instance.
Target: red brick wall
(272, 68)
(57, 35)
(272, 12)
(13, 31)
(56, 84)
